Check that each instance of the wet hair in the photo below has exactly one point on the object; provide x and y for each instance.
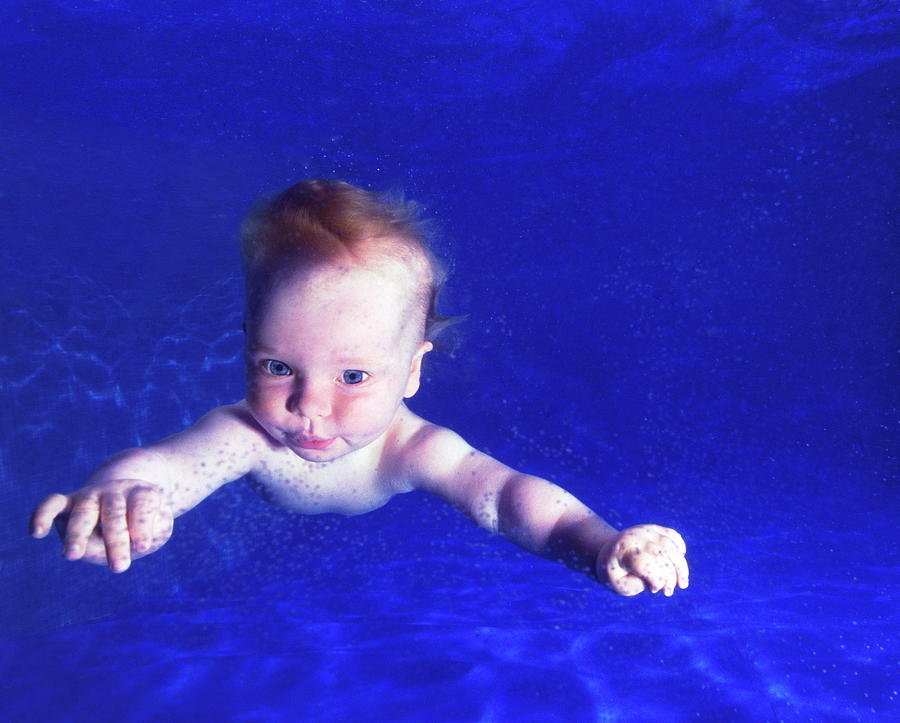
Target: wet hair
(319, 222)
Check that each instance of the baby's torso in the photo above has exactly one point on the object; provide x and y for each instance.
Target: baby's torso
(285, 480)
(358, 482)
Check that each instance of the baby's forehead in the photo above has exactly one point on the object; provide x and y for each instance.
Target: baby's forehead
(345, 311)
(384, 261)
(385, 274)
(384, 294)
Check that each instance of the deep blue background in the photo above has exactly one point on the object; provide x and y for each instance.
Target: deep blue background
(672, 227)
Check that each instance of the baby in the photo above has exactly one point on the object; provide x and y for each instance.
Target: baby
(340, 293)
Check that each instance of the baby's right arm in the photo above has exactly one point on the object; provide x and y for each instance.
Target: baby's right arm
(126, 508)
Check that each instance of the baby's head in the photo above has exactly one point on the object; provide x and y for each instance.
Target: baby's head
(322, 224)
(340, 308)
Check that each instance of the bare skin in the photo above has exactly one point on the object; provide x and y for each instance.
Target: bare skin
(331, 356)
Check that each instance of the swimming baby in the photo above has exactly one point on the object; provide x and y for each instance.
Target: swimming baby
(340, 311)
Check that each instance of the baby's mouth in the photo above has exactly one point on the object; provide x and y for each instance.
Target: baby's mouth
(311, 442)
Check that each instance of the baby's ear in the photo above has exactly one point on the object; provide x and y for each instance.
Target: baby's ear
(415, 369)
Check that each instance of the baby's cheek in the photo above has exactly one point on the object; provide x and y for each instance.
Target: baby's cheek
(368, 417)
(262, 399)
(255, 405)
(256, 386)
(263, 408)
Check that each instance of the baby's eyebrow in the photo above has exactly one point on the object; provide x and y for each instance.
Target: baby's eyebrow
(355, 363)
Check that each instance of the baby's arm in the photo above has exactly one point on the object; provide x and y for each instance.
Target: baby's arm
(543, 518)
(126, 508)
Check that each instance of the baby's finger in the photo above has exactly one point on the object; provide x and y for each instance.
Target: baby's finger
(652, 565)
(82, 520)
(681, 571)
(115, 531)
(658, 570)
(164, 524)
(44, 514)
(671, 579)
(621, 580)
(674, 537)
(676, 557)
(679, 575)
(95, 549)
(143, 506)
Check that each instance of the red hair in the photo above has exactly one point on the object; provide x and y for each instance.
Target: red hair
(317, 222)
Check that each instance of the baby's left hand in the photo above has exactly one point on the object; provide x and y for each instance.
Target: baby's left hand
(644, 557)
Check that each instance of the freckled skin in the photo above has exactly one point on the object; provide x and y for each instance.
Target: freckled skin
(331, 355)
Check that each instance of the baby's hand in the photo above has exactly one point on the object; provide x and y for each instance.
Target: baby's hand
(644, 557)
(110, 523)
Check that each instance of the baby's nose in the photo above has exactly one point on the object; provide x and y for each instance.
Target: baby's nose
(310, 400)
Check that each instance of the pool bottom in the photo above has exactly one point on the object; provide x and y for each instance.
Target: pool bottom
(538, 645)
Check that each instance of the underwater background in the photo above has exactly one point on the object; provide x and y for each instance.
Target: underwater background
(672, 228)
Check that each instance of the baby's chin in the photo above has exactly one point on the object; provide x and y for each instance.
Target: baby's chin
(336, 449)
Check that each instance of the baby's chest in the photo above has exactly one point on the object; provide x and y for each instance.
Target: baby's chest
(308, 488)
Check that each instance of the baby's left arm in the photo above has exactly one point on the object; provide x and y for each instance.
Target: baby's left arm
(542, 517)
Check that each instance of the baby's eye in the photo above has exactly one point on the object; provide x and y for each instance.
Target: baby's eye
(353, 376)
(276, 368)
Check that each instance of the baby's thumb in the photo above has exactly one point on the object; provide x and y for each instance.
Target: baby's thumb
(163, 526)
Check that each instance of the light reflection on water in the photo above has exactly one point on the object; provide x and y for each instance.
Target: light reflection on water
(392, 645)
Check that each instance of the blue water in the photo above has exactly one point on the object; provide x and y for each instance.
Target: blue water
(672, 227)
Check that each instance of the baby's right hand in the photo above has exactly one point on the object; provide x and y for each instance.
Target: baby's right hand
(111, 522)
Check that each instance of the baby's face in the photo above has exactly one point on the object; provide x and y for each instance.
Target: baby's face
(330, 359)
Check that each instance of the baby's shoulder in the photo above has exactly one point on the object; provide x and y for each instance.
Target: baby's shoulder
(232, 419)
(417, 448)
(229, 429)
(237, 413)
